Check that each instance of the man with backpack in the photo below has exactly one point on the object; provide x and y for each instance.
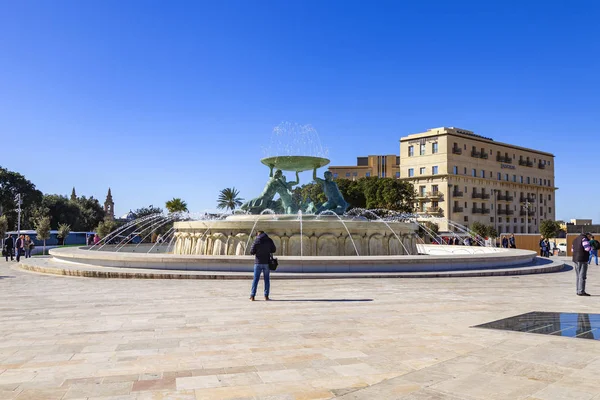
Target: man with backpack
(594, 251)
(261, 249)
(581, 255)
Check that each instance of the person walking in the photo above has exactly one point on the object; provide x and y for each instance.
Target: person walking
(261, 249)
(594, 252)
(9, 245)
(19, 247)
(505, 242)
(28, 246)
(511, 241)
(581, 255)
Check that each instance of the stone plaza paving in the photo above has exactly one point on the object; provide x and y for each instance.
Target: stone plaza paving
(86, 338)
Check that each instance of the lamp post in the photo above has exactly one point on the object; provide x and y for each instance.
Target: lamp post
(449, 203)
(19, 202)
(526, 215)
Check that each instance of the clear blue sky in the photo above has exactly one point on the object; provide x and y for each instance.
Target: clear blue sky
(177, 99)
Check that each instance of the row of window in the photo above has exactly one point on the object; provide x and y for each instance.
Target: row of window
(523, 160)
(517, 179)
(529, 211)
(367, 174)
(422, 146)
(423, 171)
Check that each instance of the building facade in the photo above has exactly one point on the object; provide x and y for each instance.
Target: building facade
(382, 166)
(466, 177)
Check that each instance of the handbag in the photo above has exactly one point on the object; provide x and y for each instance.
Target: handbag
(273, 263)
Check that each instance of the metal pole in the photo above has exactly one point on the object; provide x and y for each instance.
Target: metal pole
(19, 214)
(527, 215)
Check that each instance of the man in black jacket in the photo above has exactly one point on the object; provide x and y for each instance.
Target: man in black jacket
(261, 249)
(8, 247)
(581, 255)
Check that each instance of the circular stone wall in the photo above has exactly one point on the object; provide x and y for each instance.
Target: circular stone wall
(324, 237)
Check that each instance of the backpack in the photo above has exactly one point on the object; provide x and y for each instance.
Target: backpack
(595, 244)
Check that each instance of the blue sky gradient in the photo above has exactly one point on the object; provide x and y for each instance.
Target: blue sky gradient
(178, 99)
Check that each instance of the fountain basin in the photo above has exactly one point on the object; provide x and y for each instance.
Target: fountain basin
(329, 236)
(295, 163)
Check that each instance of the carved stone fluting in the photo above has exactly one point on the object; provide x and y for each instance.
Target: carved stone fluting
(325, 237)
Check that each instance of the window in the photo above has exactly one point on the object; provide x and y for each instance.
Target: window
(335, 175)
(506, 177)
(474, 172)
(434, 170)
(465, 171)
(549, 197)
(521, 178)
(549, 209)
(411, 151)
(528, 180)
(397, 174)
(514, 178)
(455, 170)
(422, 171)
(347, 174)
(368, 174)
(422, 190)
(355, 174)
(434, 148)
(383, 174)
(434, 188)
(422, 151)
(499, 176)
(466, 218)
(411, 172)
(482, 173)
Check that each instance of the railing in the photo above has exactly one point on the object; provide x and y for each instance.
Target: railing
(435, 193)
(457, 193)
(541, 166)
(483, 155)
(503, 197)
(485, 196)
(476, 195)
(526, 199)
(458, 209)
(456, 150)
(421, 195)
(476, 210)
(433, 210)
(505, 212)
(524, 213)
(475, 153)
(485, 210)
(504, 159)
(526, 163)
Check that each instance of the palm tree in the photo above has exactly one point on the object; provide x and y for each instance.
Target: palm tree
(176, 205)
(228, 199)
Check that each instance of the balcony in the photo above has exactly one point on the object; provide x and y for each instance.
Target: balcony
(436, 194)
(541, 166)
(421, 195)
(457, 193)
(505, 212)
(485, 196)
(476, 195)
(505, 197)
(526, 200)
(475, 153)
(504, 159)
(485, 210)
(456, 150)
(458, 209)
(524, 213)
(526, 163)
(476, 210)
(483, 155)
(433, 210)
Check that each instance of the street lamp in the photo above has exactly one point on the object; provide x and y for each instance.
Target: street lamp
(449, 202)
(526, 215)
(19, 201)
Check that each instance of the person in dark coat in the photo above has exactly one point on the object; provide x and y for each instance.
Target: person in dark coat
(581, 255)
(261, 249)
(505, 242)
(19, 247)
(9, 244)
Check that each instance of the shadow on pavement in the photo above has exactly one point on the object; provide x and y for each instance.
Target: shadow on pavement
(326, 300)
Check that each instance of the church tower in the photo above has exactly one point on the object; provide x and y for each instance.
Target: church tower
(109, 206)
(73, 194)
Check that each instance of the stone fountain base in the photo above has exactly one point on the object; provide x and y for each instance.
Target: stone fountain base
(311, 236)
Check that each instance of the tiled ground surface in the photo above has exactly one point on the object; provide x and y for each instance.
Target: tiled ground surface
(84, 338)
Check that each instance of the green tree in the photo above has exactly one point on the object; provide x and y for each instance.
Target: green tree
(145, 211)
(492, 232)
(42, 228)
(3, 227)
(63, 232)
(228, 199)
(92, 213)
(428, 229)
(549, 228)
(105, 227)
(176, 205)
(479, 229)
(11, 184)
